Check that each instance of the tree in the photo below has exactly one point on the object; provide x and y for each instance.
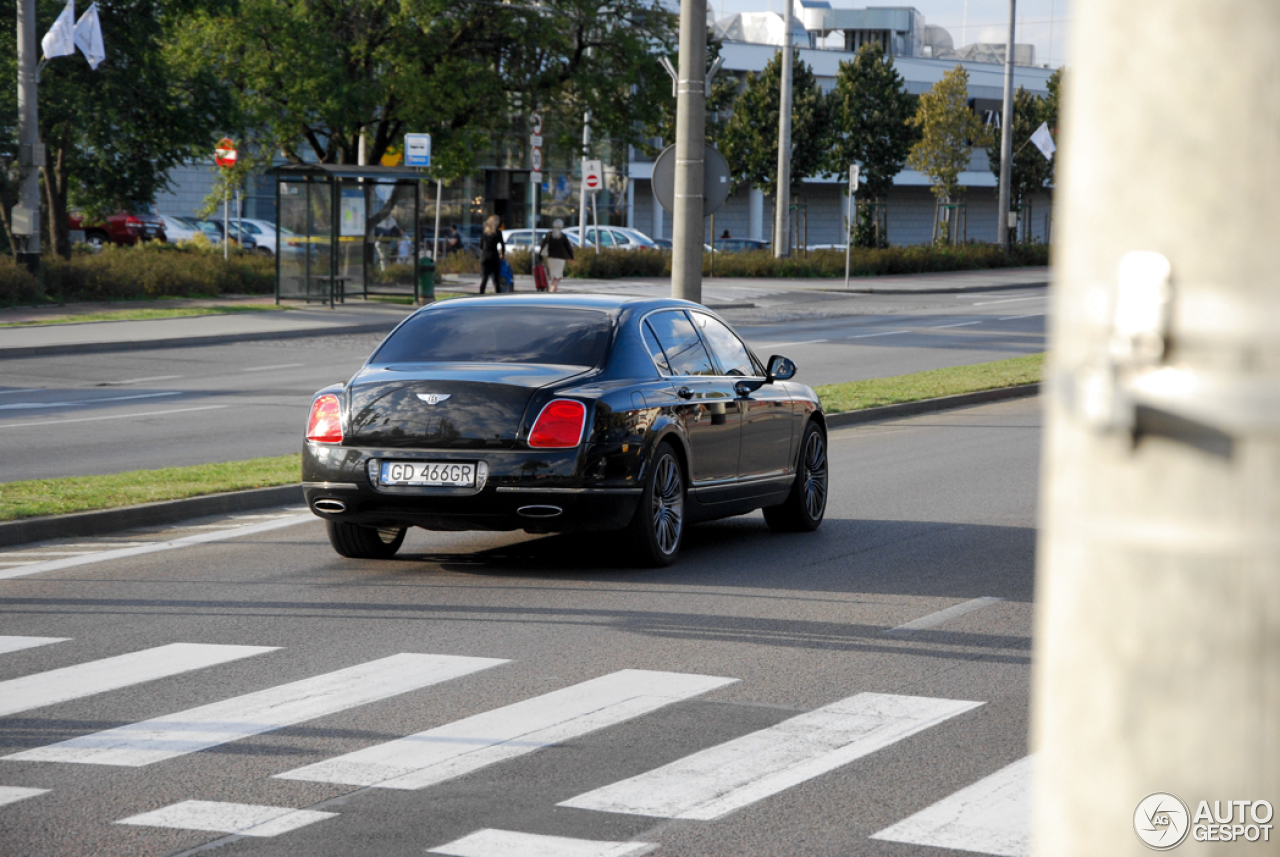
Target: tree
(870, 109)
(948, 132)
(750, 136)
(1029, 170)
(1050, 113)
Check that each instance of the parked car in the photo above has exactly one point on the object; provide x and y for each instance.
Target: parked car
(740, 245)
(614, 237)
(665, 244)
(213, 228)
(125, 227)
(177, 229)
(563, 413)
(519, 239)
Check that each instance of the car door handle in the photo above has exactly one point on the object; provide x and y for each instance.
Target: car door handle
(684, 393)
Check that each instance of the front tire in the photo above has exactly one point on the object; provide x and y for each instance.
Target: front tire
(657, 530)
(806, 505)
(356, 542)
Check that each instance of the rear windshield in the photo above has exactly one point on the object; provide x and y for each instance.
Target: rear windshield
(492, 334)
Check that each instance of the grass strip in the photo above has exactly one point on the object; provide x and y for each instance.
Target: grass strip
(872, 393)
(146, 314)
(35, 497)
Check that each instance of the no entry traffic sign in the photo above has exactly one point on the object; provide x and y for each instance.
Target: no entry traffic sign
(592, 174)
(224, 155)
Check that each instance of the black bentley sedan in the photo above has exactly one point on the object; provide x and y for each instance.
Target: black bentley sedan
(561, 413)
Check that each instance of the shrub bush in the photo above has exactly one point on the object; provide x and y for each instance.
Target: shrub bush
(16, 283)
(461, 262)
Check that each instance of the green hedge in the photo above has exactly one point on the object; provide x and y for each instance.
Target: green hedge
(864, 262)
(142, 271)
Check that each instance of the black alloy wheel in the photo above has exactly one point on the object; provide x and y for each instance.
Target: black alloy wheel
(805, 506)
(356, 542)
(657, 530)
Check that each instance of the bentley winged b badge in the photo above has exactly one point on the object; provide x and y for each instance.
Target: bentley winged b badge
(433, 398)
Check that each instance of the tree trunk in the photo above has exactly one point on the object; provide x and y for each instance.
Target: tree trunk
(55, 185)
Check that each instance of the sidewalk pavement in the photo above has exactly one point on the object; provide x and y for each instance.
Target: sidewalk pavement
(359, 316)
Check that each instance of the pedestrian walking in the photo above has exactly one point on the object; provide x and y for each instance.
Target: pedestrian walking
(493, 250)
(557, 250)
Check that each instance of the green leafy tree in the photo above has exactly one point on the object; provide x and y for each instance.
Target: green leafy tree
(1050, 113)
(870, 109)
(949, 131)
(750, 137)
(1029, 170)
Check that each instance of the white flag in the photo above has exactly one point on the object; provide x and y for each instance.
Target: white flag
(1044, 141)
(60, 41)
(89, 37)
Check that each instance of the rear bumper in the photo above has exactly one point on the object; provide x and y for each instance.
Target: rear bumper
(537, 491)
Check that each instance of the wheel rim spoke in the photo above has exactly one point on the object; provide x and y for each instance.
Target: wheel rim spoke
(815, 476)
(668, 506)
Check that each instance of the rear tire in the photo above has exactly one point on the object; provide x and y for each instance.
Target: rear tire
(806, 505)
(656, 532)
(356, 542)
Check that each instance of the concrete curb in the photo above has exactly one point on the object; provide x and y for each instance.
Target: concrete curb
(924, 406)
(195, 341)
(148, 514)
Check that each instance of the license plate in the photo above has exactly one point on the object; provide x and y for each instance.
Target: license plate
(445, 473)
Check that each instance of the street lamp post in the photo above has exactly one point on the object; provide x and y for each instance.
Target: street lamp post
(25, 223)
(1006, 135)
(691, 118)
(782, 210)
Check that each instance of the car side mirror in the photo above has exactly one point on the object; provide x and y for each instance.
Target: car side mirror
(781, 368)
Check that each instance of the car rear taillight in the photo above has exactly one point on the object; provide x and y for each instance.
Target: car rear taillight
(325, 425)
(559, 426)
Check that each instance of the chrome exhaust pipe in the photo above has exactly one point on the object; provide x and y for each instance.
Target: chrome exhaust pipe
(539, 511)
(329, 506)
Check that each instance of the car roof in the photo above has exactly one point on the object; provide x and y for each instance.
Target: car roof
(613, 304)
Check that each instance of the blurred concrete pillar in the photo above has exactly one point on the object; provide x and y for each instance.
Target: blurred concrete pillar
(1157, 665)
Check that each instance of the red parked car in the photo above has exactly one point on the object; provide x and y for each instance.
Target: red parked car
(124, 227)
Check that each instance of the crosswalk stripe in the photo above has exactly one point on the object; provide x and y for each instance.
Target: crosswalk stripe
(243, 819)
(933, 620)
(87, 679)
(17, 644)
(992, 816)
(510, 843)
(13, 794)
(150, 741)
(727, 777)
(463, 746)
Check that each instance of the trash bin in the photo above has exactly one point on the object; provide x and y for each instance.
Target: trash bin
(426, 279)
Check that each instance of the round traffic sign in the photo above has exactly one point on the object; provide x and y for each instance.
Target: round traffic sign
(715, 179)
(224, 154)
(536, 158)
(593, 182)
(535, 123)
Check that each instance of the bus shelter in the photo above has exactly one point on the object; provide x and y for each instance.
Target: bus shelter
(346, 231)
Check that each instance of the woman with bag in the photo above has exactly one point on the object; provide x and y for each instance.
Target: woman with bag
(557, 250)
(493, 251)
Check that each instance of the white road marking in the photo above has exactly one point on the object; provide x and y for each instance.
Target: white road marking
(764, 345)
(17, 644)
(467, 745)
(153, 547)
(869, 335)
(22, 390)
(111, 417)
(27, 562)
(13, 794)
(138, 744)
(509, 843)
(727, 777)
(992, 816)
(139, 380)
(83, 402)
(243, 819)
(1010, 300)
(933, 620)
(277, 366)
(87, 679)
(1016, 317)
(39, 553)
(959, 324)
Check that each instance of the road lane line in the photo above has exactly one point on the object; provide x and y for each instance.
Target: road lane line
(242, 819)
(94, 677)
(1010, 300)
(17, 390)
(113, 417)
(13, 794)
(138, 744)
(17, 644)
(138, 380)
(153, 547)
(933, 620)
(789, 344)
(960, 324)
(721, 779)
(1016, 317)
(82, 402)
(508, 843)
(277, 366)
(869, 335)
(992, 816)
(467, 745)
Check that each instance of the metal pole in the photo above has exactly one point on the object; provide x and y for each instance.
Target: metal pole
(240, 214)
(435, 244)
(595, 214)
(782, 211)
(582, 185)
(226, 222)
(687, 225)
(1157, 609)
(848, 237)
(1006, 134)
(26, 214)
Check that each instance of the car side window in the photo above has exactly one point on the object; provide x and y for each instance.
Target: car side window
(680, 342)
(620, 239)
(655, 348)
(732, 355)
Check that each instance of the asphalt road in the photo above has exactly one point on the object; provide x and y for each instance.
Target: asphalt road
(105, 413)
(930, 514)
